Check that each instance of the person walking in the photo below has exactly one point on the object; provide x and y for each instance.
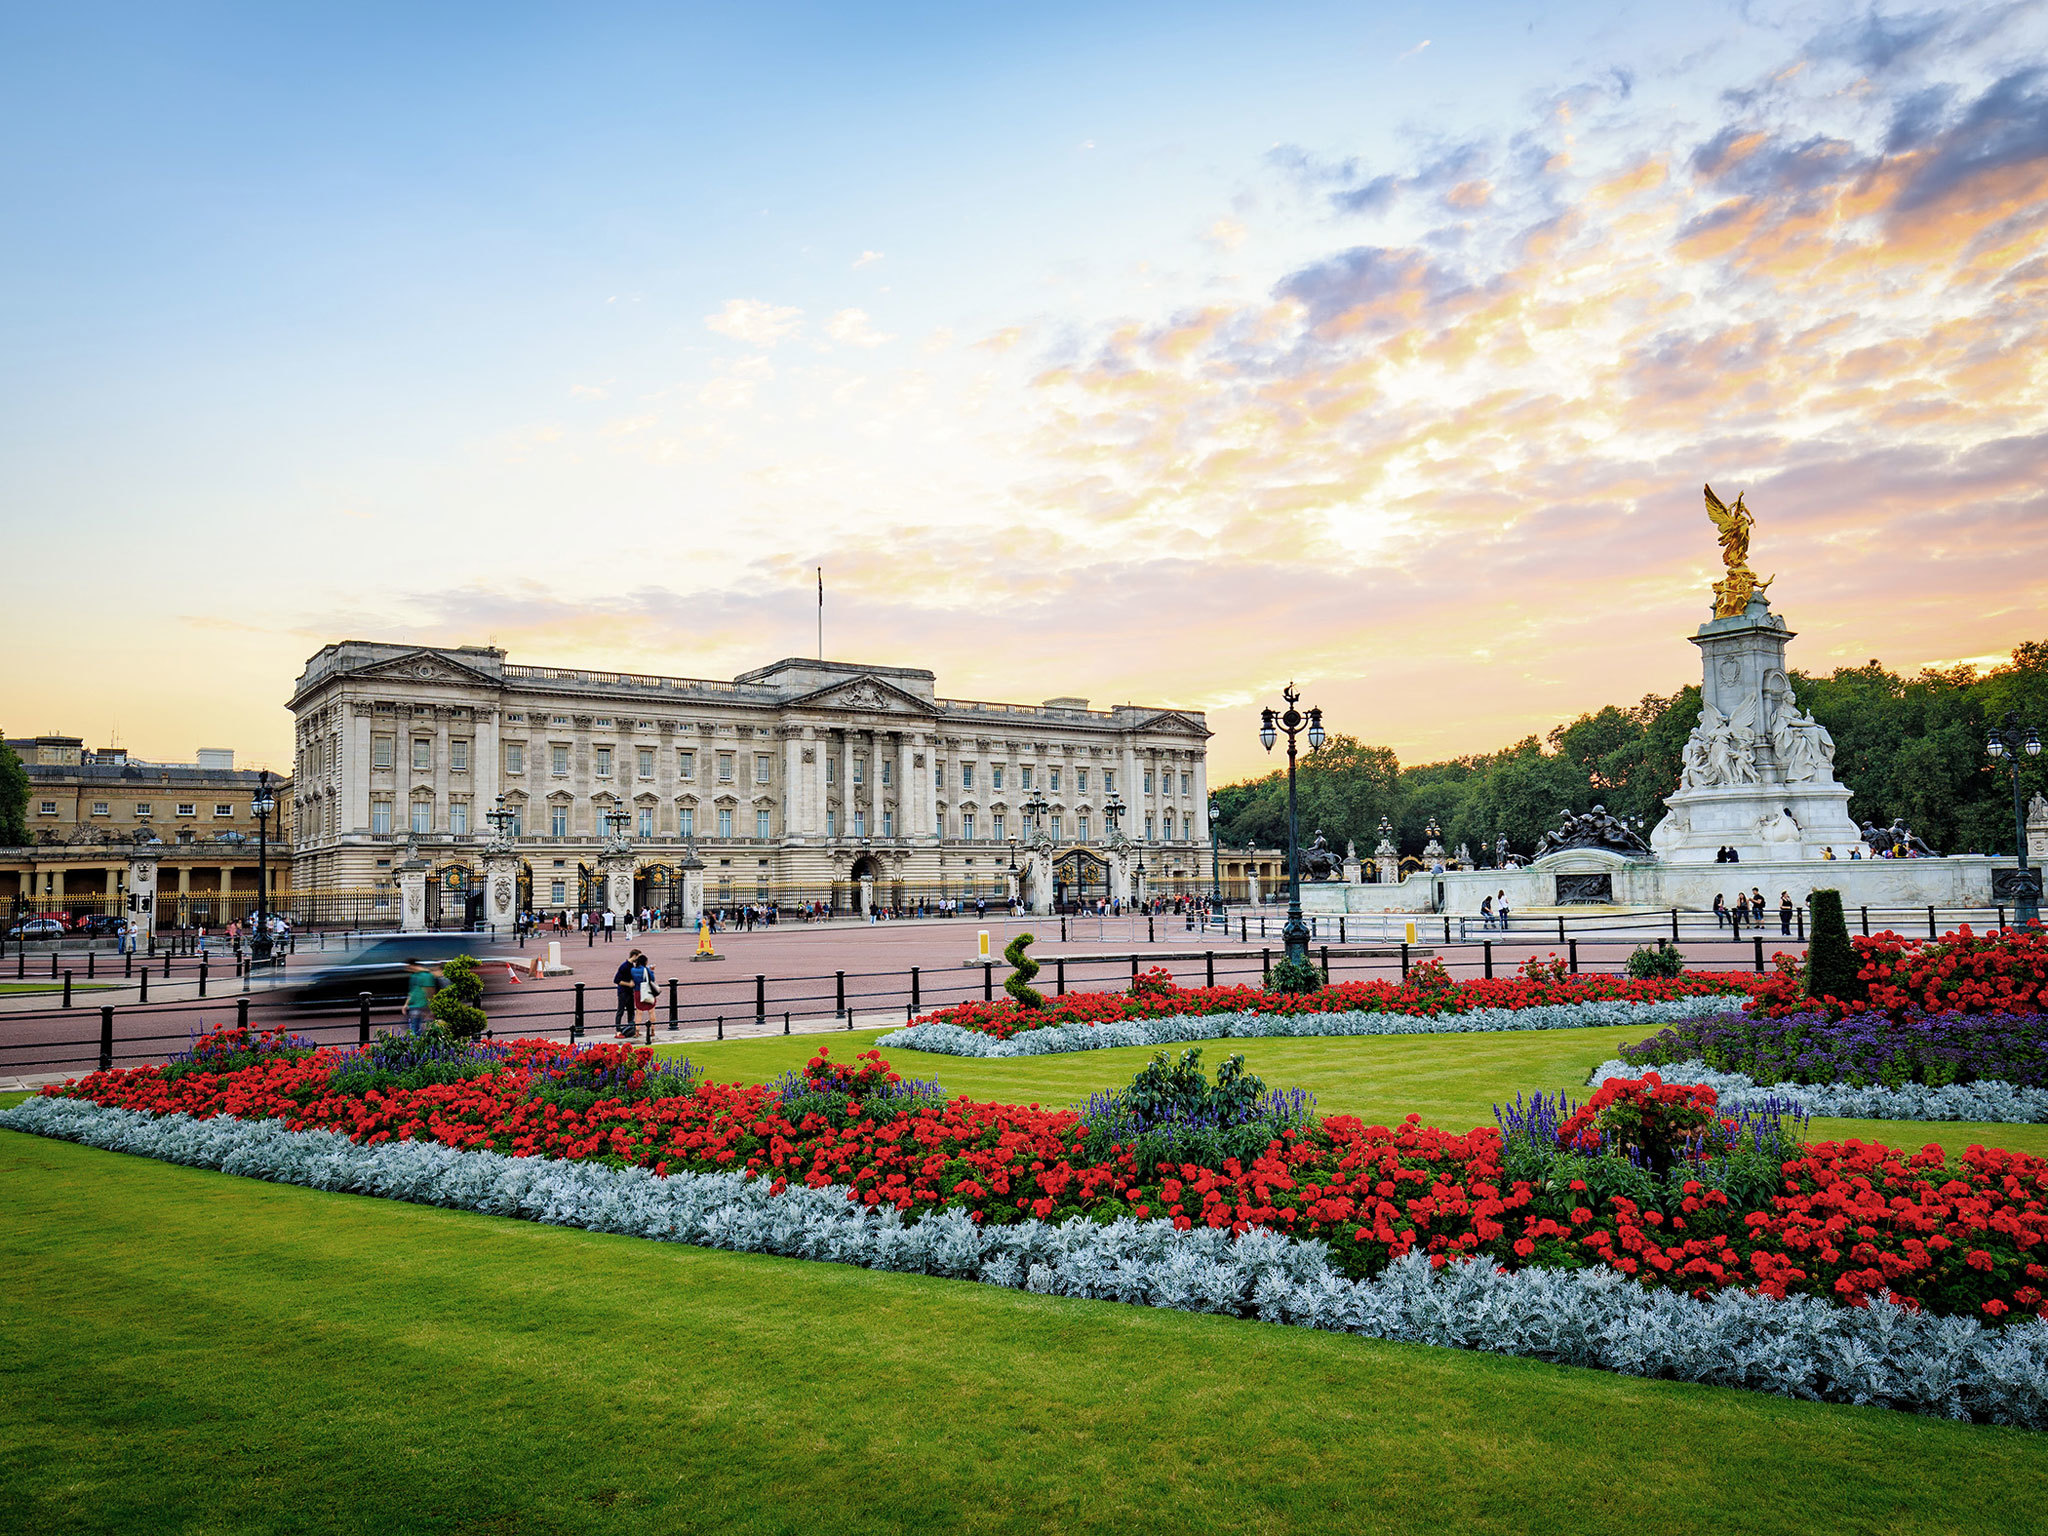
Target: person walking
(1485, 913)
(610, 923)
(1785, 913)
(420, 986)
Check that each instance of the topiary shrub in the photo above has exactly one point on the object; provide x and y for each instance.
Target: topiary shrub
(1654, 961)
(1295, 976)
(458, 1006)
(1830, 957)
(1019, 985)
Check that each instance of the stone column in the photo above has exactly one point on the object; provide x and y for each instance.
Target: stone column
(906, 789)
(846, 795)
(142, 887)
(412, 893)
(618, 885)
(691, 868)
(1388, 857)
(501, 887)
(1202, 798)
(793, 828)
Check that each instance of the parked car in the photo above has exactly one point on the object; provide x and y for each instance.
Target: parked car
(37, 928)
(100, 925)
(379, 968)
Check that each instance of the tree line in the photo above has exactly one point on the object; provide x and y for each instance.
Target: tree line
(1907, 746)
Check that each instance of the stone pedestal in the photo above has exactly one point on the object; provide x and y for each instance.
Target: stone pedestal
(691, 870)
(1038, 881)
(2037, 831)
(618, 885)
(1387, 862)
(501, 889)
(142, 890)
(1759, 773)
(412, 895)
(1120, 877)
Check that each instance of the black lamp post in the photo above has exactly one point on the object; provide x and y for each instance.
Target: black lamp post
(1215, 862)
(259, 946)
(2008, 740)
(1292, 721)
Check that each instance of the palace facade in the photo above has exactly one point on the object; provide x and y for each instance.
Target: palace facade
(798, 782)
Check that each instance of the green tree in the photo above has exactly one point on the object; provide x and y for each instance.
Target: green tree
(13, 799)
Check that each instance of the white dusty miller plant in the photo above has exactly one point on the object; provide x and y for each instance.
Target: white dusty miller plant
(1882, 1355)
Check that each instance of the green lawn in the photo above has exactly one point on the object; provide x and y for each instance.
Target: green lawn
(1452, 1081)
(21, 987)
(188, 1351)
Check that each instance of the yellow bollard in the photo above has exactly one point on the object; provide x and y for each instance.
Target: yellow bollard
(1411, 930)
(984, 944)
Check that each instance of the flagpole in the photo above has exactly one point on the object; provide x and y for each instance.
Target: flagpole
(821, 613)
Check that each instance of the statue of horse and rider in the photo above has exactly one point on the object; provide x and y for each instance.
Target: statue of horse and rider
(1318, 862)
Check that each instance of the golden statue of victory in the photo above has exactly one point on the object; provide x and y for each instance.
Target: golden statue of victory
(1732, 594)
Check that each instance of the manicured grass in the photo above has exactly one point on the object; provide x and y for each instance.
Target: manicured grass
(1452, 1081)
(192, 1351)
(20, 988)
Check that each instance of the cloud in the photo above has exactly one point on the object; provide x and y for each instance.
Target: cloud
(866, 259)
(851, 328)
(1226, 234)
(1412, 52)
(756, 323)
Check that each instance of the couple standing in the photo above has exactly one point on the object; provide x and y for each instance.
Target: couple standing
(634, 981)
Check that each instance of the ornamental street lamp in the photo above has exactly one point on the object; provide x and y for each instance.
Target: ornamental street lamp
(1292, 721)
(500, 819)
(1215, 864)
(1034, 812)
(2008, 740)
(1112, 812)
(259, 947)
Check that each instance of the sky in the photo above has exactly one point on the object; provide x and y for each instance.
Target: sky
(1144, 353)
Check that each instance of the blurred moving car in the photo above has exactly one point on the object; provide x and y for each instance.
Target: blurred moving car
(380, 969)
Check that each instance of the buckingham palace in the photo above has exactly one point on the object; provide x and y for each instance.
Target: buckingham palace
(800, 782)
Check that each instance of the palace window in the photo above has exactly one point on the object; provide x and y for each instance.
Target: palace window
(222, 810)
(1081, 827)
(458, 817)
(764, 767)
(423, 815)
(725, 823)
(1055, 781)
(144, 808)
(1109, 781)
(1024, 776)
(185, 807)
(558, 892)
(686, 764)
(886, 780)
(1148, 828)
(967, 825)
(517, 826)
(381, 750)
(422, 754)
(458, 755)
(888, 823)
(604, 762)
(941, 819)
(725, 767)
(831, 823)
(996, 776)
(996, 825)
(49, 808)
(643, 759)
(860, 770)
(831, 769)
(1167, 824)
(647, 821)
(558, 720)
(603, 722)
(515, 757)
(558, 821)
(1056, 834)
(764, 824)
(558, 757)
(1184, 783)
(967, 775)
(860, 823)
(1081, 781)
(686, 821)
(99, 808)
(1148, 781)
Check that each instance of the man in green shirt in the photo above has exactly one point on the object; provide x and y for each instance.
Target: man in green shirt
(419, 993)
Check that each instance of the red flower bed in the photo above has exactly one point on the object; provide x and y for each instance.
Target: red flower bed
(1428, 991)
(1961, 972)
(1852, 1220)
